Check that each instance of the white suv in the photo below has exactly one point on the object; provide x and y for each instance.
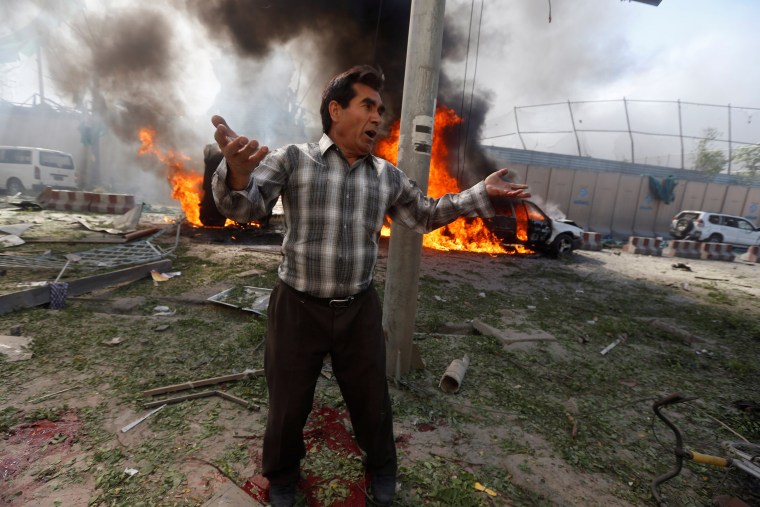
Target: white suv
(714, 228)
(23, 169)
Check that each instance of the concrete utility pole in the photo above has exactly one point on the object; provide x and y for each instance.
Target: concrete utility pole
(423, 62)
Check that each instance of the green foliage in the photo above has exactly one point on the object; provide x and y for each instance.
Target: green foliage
(749, 157)
(709, 160)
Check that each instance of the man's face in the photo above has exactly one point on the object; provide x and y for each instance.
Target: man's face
(355, 128)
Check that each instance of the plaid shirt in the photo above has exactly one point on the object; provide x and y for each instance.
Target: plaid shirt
(334, 213)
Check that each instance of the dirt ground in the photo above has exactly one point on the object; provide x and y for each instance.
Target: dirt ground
(533, 422)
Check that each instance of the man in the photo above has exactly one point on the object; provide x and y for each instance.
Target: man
(335, 195)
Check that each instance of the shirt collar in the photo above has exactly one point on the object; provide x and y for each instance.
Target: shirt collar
(325, 143)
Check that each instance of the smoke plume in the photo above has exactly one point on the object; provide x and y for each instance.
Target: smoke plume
(139, 62)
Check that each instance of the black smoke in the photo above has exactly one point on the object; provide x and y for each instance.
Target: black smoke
(347, 32)
(129, 60)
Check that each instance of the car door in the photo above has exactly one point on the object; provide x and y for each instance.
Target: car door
(728, 229)
(746, 234)
(56, 169)
(504, 223)
(539, 225)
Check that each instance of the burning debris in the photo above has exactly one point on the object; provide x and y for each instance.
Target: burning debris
(464, 234)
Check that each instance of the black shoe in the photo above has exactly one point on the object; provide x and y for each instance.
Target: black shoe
(282, 495)
(383, 489)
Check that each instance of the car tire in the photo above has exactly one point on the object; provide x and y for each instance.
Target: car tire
(14, 186)
(683, 228)
(715, 238)
(562, 246)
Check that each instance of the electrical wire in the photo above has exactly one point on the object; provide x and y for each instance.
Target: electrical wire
(464, 88)
(472, 89)
(377, 32)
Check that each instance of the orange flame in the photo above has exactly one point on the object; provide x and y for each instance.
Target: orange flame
(470, 235)
(186, 184)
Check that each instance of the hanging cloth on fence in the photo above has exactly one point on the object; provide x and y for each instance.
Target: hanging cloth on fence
(665, 190)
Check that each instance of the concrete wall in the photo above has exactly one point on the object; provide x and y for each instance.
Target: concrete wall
(614, 198)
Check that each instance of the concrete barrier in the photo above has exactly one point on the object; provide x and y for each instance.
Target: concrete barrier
(682, 248)
(63, 200)
(592, 241)
(751, 255)
(643, 246)
(716, 252)
(67, 200)
(110, 203)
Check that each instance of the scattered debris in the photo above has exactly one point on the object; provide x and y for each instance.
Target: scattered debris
(130, 471)
(484, 489)
(15, 348)
(250, 272)
(113, 341)
(11, 240)
(15, 229)
(143, 251)
(43, 398)
(138, 421)
(41, 295)
(162, 277)
(682, 266)
(69, 259)
(454, 374)
(574, 430)
(623, 337)
(249, 299)
(485, 329)
(163, 311)
(244, 375)
(673, 330)
(202, 394)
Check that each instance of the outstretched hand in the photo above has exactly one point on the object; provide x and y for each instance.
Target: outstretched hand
(498, 187)
(242, 155)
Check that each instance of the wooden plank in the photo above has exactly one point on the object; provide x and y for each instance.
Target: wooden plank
(41, 295)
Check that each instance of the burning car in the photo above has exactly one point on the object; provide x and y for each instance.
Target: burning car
(520, 222)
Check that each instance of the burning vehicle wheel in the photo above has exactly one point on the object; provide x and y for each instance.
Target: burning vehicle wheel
(682, 228)
(209, 214)
(562, 245)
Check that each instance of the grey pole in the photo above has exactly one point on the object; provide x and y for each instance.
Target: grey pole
(423, 62)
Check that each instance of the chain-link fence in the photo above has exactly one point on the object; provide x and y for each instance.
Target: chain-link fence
(666, 133)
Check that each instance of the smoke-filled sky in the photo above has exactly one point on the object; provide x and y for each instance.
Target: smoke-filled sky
(263, 63)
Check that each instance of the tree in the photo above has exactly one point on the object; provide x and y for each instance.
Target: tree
(710, 161)
(750, 157)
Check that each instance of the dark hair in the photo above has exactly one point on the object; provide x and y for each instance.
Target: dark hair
(341, 89)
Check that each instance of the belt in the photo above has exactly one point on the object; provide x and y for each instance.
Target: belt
(344, 302)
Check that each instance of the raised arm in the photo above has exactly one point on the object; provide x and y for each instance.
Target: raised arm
(242, 155)
(498, 187)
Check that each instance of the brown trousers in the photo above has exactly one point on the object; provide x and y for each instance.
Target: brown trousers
(301, 331)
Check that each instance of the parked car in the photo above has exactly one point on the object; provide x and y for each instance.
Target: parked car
(714, 228)
(523, 222)
(23, 169)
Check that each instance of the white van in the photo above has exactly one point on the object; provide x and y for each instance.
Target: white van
(23, 169)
